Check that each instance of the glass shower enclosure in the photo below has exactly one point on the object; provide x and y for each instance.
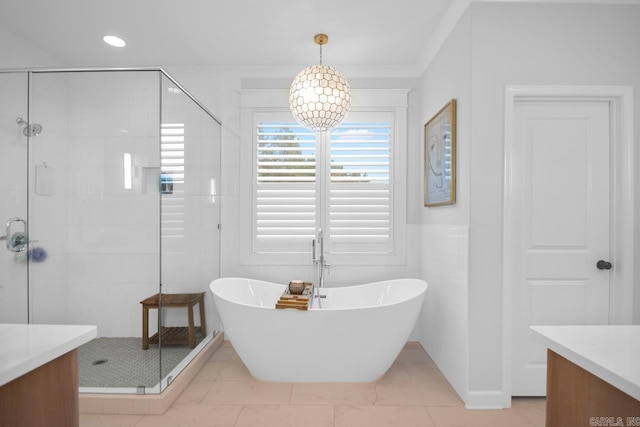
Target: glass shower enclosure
(108, 197)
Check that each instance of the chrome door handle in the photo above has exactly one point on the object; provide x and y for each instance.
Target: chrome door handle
(604, 265)
(17, 241)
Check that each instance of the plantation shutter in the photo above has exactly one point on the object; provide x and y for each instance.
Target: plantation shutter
(172, 149)
(360, 188)
(344, 185)
(285, 187)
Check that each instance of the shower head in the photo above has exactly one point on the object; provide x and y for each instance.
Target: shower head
(29, 130)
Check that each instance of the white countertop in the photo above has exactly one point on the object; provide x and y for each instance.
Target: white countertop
(24, 348)
(610, 352)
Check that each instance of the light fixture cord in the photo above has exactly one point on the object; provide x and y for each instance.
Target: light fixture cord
(320, 53)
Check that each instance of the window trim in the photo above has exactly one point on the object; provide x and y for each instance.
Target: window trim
(392, 101)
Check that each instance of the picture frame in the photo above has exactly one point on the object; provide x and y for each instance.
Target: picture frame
(440, 157)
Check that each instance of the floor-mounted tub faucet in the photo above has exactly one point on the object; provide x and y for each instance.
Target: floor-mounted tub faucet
(319, 263)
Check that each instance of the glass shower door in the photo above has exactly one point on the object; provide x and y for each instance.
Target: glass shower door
(94, 212)
(190, 213)
(14, 140)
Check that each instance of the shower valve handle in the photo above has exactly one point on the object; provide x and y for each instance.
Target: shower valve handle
(17, 241)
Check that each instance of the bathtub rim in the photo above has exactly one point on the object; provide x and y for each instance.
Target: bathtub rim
(315, 307)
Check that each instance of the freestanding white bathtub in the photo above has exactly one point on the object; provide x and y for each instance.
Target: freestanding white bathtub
(354, 337)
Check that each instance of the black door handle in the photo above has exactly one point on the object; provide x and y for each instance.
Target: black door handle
(604, 265)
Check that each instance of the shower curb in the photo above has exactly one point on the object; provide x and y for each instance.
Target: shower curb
(134, 404)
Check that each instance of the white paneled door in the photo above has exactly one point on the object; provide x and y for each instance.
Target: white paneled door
(560, 225)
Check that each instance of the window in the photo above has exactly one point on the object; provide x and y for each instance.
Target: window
(350, 182)
(288, 209)
(360, 196)
(285, 186)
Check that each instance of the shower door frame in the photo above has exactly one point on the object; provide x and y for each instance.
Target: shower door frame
(16, 213)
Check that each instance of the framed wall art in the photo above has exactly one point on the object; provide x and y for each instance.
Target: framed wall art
(440, 157)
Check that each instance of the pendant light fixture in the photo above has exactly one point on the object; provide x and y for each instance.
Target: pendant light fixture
(319, 96)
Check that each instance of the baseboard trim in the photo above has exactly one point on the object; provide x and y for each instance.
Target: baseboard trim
(489, 399)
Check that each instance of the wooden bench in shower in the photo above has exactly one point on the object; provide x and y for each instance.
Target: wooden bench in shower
(174, 335)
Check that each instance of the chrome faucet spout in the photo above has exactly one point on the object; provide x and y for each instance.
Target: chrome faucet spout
(320, 261)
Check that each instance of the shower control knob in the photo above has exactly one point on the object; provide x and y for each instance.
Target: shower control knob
(604, 265)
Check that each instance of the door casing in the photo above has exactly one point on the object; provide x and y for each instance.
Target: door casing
(620, 99)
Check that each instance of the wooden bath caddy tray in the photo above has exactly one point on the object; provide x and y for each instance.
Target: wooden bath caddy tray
(300, 302)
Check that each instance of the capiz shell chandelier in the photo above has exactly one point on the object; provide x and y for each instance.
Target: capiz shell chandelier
(319, 96)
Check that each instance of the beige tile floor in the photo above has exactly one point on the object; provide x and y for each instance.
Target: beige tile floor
(413, 393)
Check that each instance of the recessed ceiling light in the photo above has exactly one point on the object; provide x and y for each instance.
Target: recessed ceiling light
(114, 41)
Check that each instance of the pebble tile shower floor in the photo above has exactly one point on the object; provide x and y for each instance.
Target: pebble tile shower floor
(413, 393)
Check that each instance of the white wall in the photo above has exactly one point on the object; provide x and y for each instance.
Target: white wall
(512, 44)
(528, 44)
(444, 229)
(221, 94)
(18, 53)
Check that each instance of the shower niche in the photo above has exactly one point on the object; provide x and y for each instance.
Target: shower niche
(114, 174)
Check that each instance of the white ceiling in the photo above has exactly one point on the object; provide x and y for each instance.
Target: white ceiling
(234, 33)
